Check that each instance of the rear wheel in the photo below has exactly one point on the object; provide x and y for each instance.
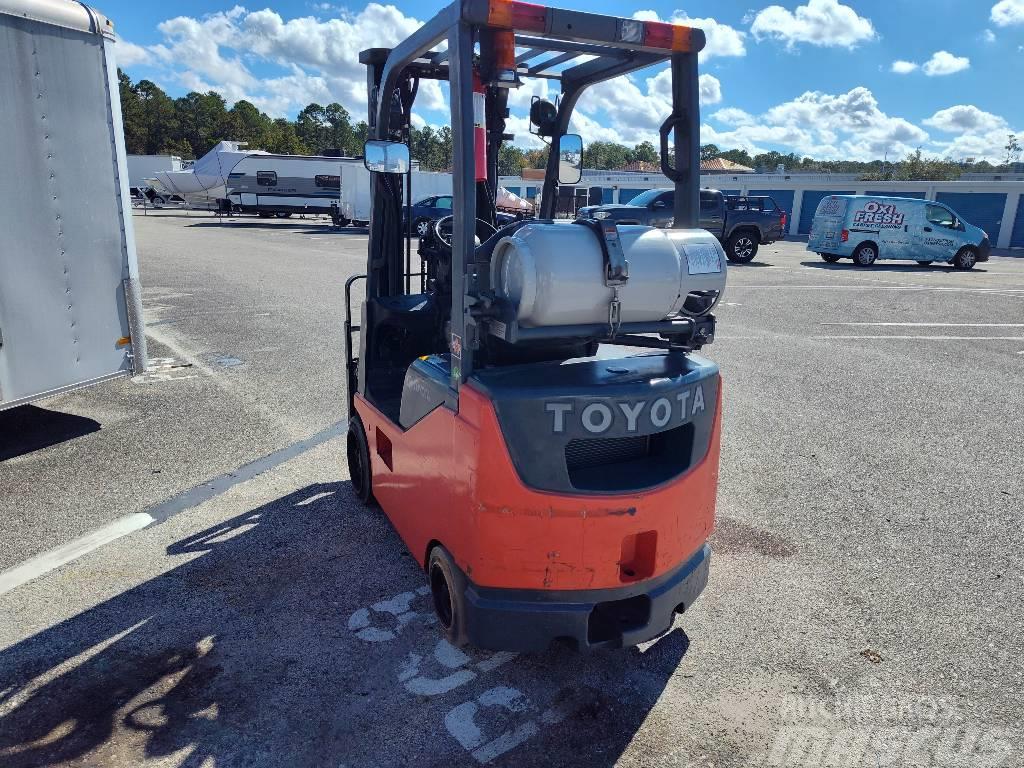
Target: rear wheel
(831, 258)
(965, 258)
(865, 255)
(422, 226)
(447, 585)
(741, 247)
(358, 454)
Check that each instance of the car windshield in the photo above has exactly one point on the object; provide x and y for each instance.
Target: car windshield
(646, 198)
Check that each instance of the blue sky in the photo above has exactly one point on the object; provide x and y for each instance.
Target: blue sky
(826, 78)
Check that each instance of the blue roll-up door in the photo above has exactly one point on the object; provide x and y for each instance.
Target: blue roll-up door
(1017, 236)
(982, 209)
(531, 193)
(625, 195)
(782, 197)
(810, 204)
(889, 193)
(606, 195)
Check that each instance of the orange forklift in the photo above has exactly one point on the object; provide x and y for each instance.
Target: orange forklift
(527, 407)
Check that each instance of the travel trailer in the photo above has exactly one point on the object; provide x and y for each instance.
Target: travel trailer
(281, 185)
(70, 299)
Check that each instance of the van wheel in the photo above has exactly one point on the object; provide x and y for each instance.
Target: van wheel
(447, 587)
(925, 262)
(831, 258)
(422, 226)
(865, 255)
(965, 258)
(741, 247)
(358, 454)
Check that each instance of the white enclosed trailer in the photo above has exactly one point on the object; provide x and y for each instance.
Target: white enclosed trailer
(70, 300)
(355, 189)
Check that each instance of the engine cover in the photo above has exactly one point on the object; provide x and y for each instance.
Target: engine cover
(553, 273)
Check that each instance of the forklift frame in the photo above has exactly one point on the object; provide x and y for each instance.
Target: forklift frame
(613, 47)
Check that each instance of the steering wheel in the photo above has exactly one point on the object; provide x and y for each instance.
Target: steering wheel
(443, 230)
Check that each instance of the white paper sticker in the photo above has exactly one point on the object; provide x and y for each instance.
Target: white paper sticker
(702, 259)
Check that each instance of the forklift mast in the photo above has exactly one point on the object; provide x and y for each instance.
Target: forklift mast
(515, 39)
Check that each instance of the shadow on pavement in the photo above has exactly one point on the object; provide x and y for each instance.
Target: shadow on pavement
(299, 634)
(883, 267)
(303, 227)
(734, 265)
(29, 428)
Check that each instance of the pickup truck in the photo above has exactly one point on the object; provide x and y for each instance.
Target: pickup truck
(740, 223)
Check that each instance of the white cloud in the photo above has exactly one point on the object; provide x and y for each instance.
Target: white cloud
(945, 63)
(1007, 12)
(901, 67)
(819, 22)
(722, 40)
(965, 118)
(988, 36)
(710, 90)
(733, 116)
(320, 58)
(129, 54)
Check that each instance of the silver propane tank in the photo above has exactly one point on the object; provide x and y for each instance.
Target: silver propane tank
(553, 273)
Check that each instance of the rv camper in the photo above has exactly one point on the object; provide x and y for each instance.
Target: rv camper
(70, 301)
(285, 184)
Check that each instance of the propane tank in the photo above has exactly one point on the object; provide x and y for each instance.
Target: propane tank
(553, 273)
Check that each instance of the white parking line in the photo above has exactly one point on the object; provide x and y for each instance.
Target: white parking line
(55, 558)
(930, 338)
(938, 325)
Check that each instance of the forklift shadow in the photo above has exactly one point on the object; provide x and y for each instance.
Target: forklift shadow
(299, 634)
(883, 267)
(29, 428)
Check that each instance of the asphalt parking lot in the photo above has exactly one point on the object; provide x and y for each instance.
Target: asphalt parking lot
(864, 608)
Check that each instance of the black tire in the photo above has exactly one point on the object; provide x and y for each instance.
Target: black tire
(965, 258)
(741, 247)
(358, 454)
(865, 254)
(831, 258)
(421, 227)
(157, 200)
(925, 262)
(447, 590)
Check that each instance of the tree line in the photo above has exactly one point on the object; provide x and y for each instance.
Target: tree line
(191, 125)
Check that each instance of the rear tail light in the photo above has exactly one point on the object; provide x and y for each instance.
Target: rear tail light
(513, 14)
(673, 37)
(845, 235)
(782, 219)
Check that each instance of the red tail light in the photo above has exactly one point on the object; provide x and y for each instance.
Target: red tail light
(845, 235)
(674, 37)
(782, 220)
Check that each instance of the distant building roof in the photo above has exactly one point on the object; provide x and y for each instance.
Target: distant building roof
(721, 165)
(639, 166)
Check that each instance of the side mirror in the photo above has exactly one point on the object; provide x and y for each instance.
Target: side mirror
(386, 157)
(659, 204)
(570, 159)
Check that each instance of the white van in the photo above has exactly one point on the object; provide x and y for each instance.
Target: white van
(865, 228)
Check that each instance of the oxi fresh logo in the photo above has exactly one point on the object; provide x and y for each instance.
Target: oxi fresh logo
(636, 415)
(882, 215)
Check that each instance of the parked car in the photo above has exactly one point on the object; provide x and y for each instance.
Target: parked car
(865, 228)
(741, 223)
(437, 207)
